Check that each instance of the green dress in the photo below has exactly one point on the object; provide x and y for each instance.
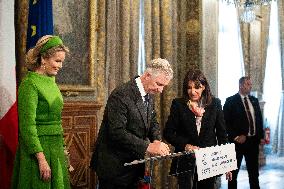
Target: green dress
(39, 108)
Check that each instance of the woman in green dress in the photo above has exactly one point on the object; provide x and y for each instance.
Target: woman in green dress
(40, 161)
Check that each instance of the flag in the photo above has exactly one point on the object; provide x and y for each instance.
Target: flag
(40, 21)
(8, 105)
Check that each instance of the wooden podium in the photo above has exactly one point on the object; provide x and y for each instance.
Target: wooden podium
(79, 121)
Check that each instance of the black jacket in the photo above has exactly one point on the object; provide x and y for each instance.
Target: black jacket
(181, 129)
(236, 118)
(125, 132)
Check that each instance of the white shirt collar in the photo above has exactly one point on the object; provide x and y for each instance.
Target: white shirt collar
(243, 96)
(140, 86)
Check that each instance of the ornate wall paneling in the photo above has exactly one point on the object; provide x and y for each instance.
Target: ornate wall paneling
(80, 124)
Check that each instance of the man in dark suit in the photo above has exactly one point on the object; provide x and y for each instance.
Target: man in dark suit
(129, 128)
(245, 128)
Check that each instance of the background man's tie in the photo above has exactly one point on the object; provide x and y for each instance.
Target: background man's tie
(251, 128)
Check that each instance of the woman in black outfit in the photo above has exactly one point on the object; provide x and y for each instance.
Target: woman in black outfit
(196, 121)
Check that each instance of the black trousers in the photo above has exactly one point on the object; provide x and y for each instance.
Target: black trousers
(108, 184)
(127, 179)
(189, 180)
(249, 150)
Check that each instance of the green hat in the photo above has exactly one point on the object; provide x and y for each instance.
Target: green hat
(52, 42)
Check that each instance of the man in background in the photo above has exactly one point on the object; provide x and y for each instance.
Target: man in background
(129, 128)
(245, 128)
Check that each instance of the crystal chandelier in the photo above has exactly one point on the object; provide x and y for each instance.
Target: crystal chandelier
(248, 7)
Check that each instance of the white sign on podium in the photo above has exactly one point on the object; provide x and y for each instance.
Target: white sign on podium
(215, 160)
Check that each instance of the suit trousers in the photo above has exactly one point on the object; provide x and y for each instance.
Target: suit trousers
(249, 150)
(189, 180)
(127, 179)
(108, 184)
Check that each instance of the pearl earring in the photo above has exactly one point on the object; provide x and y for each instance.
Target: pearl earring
(43, 66)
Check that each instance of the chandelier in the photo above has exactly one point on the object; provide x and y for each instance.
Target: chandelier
(248, 7)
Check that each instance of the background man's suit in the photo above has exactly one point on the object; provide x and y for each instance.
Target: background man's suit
(126, 131)
(237, 124)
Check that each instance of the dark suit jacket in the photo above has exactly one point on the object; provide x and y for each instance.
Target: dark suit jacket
(181, 129)
(236, 118)
(125, 132)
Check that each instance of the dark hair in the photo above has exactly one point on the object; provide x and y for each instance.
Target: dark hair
(243, 79)
(198, 78)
